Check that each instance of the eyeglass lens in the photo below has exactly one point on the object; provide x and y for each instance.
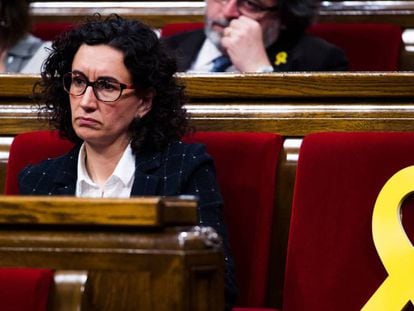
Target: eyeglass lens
(104, 90)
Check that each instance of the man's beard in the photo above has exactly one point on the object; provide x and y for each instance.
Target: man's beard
(213, 35)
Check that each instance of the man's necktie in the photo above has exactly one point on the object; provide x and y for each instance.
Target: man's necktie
(221, 63)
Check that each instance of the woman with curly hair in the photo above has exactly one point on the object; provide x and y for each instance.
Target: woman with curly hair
(109, 87)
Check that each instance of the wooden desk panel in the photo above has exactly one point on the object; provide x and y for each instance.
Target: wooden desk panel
(120, 267)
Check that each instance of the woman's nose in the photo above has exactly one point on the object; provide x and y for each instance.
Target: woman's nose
(88, 99)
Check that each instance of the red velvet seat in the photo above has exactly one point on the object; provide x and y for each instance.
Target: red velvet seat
(24, 289)
(332, 263)
(246, 169)
(372, 47)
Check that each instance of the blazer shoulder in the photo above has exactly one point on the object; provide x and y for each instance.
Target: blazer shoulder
(184, 38)
(189, 151)
(323, 53)
(307, 53)
(45, 172)
(185, 47)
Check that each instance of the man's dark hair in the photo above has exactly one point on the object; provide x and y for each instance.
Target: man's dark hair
(150, 66)
(297, 15)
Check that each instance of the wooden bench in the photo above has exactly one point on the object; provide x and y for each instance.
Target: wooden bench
(115, 254)
(291, 104)
(159, 13)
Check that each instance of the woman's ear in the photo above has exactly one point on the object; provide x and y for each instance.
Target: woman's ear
(145, 103)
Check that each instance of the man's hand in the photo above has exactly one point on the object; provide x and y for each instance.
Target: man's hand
(243, 42)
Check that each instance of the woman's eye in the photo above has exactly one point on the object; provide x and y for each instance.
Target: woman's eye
(78, 81)
(106, 85)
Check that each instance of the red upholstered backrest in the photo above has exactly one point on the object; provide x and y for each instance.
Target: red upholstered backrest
(374, 47)
(24, 289)
(332, 263)
(367, 46)
(246, 167)
(31, 148)
(50, 30)
(175, 28)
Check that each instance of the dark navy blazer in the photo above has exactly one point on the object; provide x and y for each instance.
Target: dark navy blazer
(301, 52)
(180, 169)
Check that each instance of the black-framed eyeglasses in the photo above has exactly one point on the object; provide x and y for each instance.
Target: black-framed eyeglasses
(251, 8)
(105, 89)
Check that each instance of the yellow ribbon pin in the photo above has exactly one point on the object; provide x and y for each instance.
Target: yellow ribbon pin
(393, 246)
(280, 58)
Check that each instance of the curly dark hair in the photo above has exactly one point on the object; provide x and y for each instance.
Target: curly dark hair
(149, 64)
(14, 22)
(297, 15)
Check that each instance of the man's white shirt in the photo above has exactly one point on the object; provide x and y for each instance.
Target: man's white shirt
(204, 61)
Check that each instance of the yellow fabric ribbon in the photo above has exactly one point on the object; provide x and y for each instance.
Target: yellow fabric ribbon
(280, 58)
(393, 246)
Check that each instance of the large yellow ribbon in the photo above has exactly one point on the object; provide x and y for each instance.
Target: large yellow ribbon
(392, 244)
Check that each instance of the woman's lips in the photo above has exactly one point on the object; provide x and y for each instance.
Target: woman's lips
(82, 121)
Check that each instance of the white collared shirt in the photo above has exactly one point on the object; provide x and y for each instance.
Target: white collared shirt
(118, 185)
(204, 61)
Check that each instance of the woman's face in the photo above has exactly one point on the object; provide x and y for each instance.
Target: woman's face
(99, 123)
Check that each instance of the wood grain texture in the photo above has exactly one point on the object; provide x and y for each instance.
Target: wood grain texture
(121, 270)
(131, 212)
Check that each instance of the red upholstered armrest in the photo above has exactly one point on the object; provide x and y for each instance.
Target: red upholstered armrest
(24, 289)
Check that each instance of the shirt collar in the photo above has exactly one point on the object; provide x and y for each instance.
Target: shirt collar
(204, 61)
(124, 170)
(207, 54)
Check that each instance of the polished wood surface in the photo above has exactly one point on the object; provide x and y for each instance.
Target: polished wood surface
(131, 212)
(291, 104)
(116, 267)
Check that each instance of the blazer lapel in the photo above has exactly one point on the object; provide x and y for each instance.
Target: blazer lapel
(65, 179)
(146, 183)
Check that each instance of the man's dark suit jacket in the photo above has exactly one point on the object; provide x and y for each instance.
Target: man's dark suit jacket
(289, 53)
(180, 169)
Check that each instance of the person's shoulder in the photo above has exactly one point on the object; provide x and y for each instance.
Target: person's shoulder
(49, 166)
(186, 149)
(332, 56)
(310, 53)
(181, 38)
(316, 43)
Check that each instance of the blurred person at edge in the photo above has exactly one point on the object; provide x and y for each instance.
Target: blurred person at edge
(256, 36)
(20, 52)
(109, 86)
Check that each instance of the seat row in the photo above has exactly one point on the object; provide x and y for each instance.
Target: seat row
(368, 46)
(330, 260)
